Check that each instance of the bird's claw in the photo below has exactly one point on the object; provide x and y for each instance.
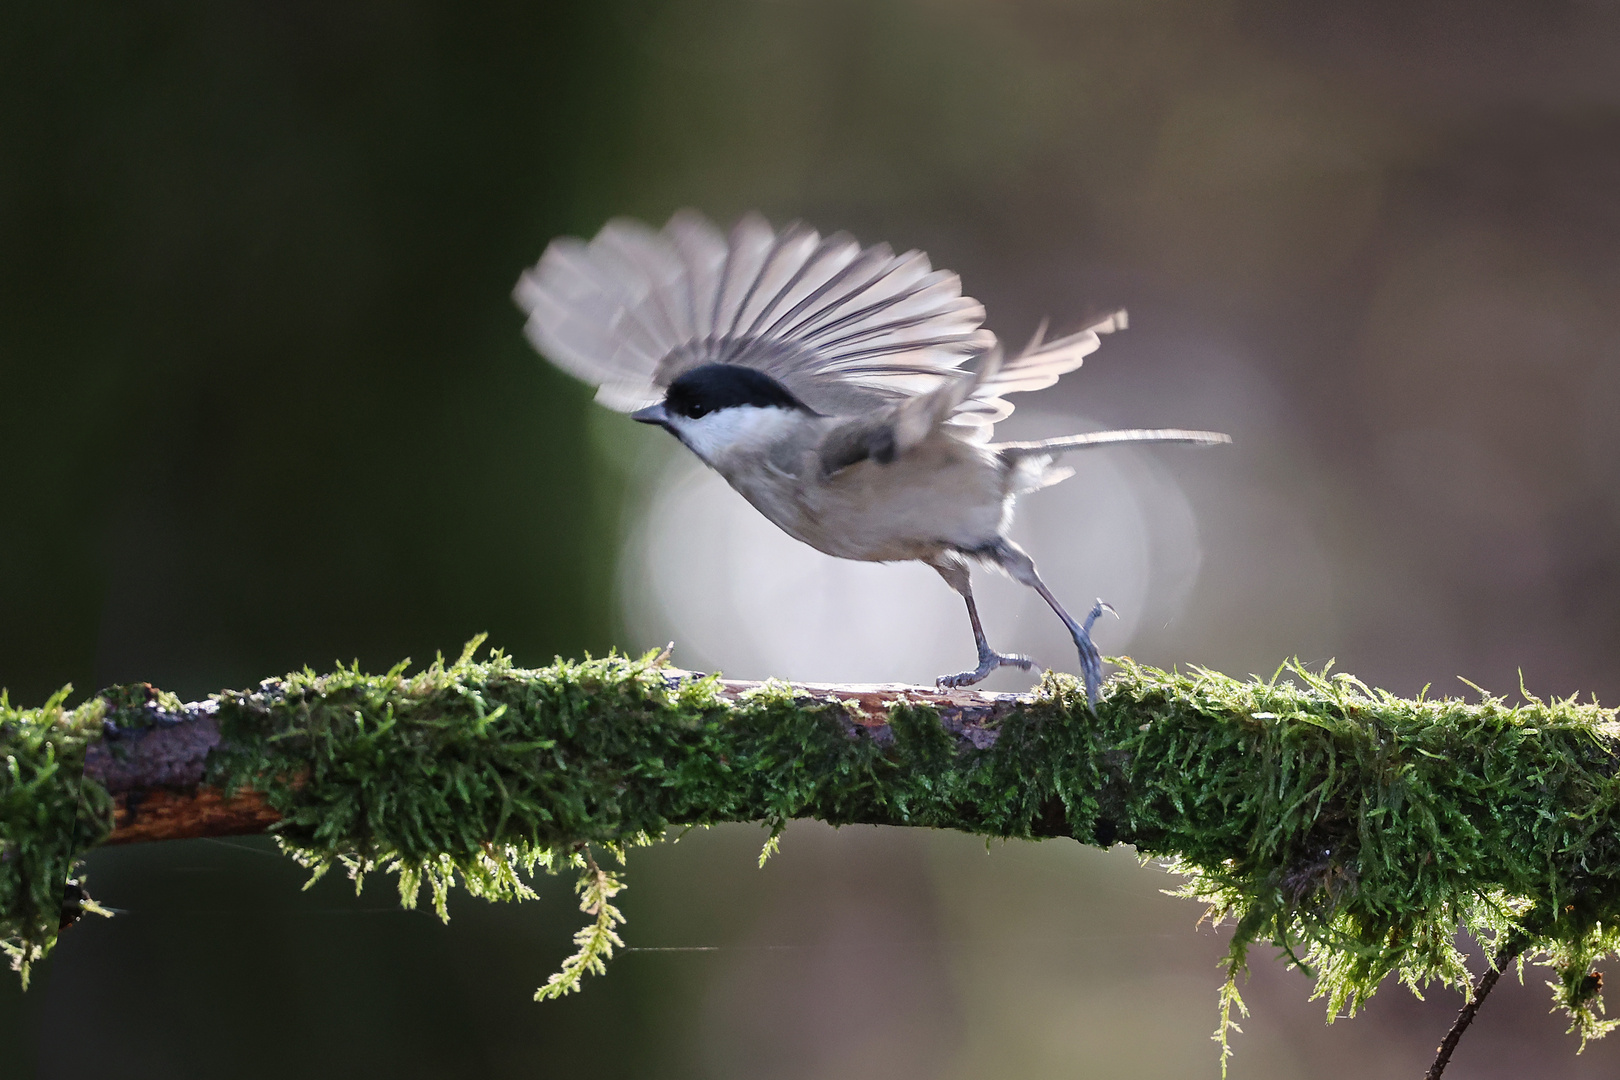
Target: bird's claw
(1090, 669)
(988, 662)
(1096, 613)
(1090, 658)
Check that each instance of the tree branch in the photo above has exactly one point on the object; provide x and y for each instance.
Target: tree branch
(155, 769)
(1510, 949)
(1356, 830)
(154, 772)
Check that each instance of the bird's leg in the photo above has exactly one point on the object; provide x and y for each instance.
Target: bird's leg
(954, 569)
(989, 659)
(1016, 561)
(1090, 658)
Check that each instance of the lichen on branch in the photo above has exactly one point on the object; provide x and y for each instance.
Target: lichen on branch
(1355, 830)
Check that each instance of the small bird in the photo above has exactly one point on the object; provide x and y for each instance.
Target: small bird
(848, 393)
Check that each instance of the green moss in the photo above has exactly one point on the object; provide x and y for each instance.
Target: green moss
(1355, 830)
(1359, 831)
(47, 817)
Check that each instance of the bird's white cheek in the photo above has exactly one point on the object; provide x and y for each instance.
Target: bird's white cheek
(737, 430)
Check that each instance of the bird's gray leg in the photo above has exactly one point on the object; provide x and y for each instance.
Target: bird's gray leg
(1021, 567)
(989, 659)
(955, 572)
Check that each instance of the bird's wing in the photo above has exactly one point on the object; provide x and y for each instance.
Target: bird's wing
(847, 329)
(968, 408)
(893, 430)
(1037, 367)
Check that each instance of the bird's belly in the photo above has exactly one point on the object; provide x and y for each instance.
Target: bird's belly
(885, 513)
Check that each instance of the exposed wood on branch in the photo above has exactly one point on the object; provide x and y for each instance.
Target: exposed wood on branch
(186, 814)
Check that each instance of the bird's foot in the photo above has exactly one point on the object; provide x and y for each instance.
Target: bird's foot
(1090, 658)
(988, 662)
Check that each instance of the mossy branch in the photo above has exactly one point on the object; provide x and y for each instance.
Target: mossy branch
(1355, 830)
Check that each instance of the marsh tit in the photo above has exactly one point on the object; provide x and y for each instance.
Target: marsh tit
(848, 393)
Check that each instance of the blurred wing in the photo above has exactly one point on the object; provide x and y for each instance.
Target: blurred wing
(1037, 367)
(846, 328)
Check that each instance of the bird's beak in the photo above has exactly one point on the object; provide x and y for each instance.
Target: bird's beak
(652, 414)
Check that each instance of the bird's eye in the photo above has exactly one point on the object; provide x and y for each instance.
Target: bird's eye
(696, 412)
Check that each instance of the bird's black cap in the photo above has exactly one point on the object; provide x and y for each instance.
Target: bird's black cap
(713, 387)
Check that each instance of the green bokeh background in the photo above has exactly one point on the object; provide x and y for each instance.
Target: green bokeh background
(264, 402)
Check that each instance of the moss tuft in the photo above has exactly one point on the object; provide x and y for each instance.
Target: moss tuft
(48, 815)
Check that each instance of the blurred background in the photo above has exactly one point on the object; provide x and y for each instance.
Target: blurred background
(266, 403)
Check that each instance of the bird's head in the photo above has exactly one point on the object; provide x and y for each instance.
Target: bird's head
(722, 409)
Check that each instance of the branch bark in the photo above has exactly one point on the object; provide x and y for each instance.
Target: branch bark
(155, 775)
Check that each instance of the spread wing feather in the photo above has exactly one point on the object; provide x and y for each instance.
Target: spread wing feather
(846, 328)
(1039, 365)
(851, 330)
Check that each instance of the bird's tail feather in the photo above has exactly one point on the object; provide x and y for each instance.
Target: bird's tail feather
(1015, 450)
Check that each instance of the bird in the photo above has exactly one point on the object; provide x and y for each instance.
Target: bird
(847, 392)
